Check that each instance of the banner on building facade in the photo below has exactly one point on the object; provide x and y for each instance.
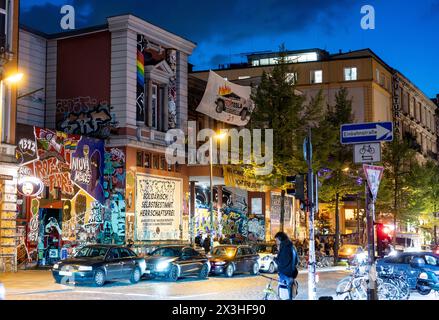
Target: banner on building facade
(234, 177)
(226, 101)
(158, 208)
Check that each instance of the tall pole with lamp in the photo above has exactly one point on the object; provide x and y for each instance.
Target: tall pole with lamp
(212, 226)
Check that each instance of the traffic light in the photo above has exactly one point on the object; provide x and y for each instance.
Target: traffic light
(298, 191)
(384, 237)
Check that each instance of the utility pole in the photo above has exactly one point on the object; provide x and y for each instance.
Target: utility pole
(312, 290)
(370, 213)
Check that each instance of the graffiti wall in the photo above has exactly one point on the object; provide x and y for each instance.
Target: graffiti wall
(85, 116)
(70, 167)
(114, 194)
(231, 220)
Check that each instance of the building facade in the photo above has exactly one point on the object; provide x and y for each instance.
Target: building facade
(8, 168)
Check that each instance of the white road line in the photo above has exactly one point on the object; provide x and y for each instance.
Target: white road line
(146, 295)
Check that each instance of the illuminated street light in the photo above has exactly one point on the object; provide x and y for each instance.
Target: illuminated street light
(11, 79)
(15, 78)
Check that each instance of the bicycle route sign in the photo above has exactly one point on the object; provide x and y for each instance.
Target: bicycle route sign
(359, 133)
(367, 153)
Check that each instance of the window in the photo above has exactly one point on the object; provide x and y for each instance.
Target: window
(265, 62)
(292, 77)
(124, 253)
(147, 161)
(350, 74)
(139, 159)
(255, 63)
(317, 76)
(155, 160)
(378, 75)
(154, 104)
(3, 24)
(240, 252)
(432, 261)
(162, 163)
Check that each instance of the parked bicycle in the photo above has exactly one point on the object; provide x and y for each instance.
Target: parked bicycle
(270, 293)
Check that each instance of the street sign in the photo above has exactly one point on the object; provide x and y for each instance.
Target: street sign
(6, 177)
(367, 153)
(366, 132)
(374, 175)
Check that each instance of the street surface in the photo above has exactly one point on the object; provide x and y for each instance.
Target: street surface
(39, 285)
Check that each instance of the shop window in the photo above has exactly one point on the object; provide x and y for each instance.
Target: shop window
(317, 76)
(162, 163)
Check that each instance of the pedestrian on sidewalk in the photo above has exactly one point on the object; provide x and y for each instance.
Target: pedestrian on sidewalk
(207, 244)
(287, 261)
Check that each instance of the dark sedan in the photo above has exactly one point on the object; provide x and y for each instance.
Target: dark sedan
(98, 263)
(231, 259)
(173, 262)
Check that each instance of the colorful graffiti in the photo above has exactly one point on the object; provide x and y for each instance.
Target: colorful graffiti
(85, 116)
(140, 98)
(114, 194)
(171, 59)
(34, 222)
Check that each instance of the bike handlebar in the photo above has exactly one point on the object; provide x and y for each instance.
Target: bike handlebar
(272, 279)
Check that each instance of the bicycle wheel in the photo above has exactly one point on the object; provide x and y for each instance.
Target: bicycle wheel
(270, 295)
(388, 291)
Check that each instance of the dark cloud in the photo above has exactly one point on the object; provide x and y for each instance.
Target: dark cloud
(200, 20)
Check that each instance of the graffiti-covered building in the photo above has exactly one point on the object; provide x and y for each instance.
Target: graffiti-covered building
(92, 133)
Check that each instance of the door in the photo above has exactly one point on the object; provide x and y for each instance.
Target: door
(240, 260)
(186, 261)
(114, 265)
(128, 262)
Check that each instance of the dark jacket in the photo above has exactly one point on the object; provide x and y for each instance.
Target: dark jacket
(284, 259)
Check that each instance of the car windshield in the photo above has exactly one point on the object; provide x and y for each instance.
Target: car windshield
(91, 252)
(225, 251)
(166, 252)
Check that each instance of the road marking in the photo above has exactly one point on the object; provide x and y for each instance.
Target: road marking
(40, 292)
(145, 295)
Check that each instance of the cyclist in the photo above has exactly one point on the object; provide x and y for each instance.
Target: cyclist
(286, 262)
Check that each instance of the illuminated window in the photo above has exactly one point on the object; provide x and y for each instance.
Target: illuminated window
(3, 23)
(350, 74)
(317, 76)
(255, 63)
(292, 77)
(265, 62)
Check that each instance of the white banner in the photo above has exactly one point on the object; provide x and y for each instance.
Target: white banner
(158, 208)
(226, 102)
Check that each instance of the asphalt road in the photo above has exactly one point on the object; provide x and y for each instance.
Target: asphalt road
(39, 285)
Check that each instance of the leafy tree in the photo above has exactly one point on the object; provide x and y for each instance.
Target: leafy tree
(339, 178)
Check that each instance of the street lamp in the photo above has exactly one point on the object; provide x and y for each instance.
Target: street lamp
(217, 137)
(12, 79)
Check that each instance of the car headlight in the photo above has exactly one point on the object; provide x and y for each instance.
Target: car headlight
(56, 266)
(423, 276)
(266, 258)
(161, 266)
(85, 268)
(220, 263)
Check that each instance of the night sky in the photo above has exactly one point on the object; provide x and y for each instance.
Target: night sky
(406, 34)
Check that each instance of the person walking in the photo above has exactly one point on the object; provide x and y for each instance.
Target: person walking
(287, 261)
(207, 244)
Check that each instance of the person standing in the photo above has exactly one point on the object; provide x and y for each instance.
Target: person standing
(206, 244)
(286, 261)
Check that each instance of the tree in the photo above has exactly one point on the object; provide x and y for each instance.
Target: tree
(279, 106)
(401, 171)
(338, 178)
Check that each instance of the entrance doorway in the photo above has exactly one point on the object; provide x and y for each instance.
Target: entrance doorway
(50, 236)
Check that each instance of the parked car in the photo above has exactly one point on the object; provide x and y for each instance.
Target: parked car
(97, 264)
(349, 252)
(232, 259)
(267, 252)
(401, 262)
(175, 261)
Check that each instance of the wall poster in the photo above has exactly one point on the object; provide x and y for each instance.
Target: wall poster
(158, 208)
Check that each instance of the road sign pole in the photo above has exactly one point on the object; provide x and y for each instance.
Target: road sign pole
(370, 213)
(312, 289)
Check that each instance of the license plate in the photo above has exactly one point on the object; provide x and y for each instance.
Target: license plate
(147, 271)
(65, 273)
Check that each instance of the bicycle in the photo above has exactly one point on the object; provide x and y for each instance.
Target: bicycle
(269, 292)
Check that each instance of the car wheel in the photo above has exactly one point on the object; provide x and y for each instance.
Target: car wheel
(135, 276)
(423, 291)
(204, 272)
(230, 271)
(244, 114)
(255, 269)
(173, 274)
(271, 268)
(219, 106)
(99, 278)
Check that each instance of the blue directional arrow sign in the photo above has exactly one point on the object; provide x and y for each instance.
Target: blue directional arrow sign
(366, 132)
